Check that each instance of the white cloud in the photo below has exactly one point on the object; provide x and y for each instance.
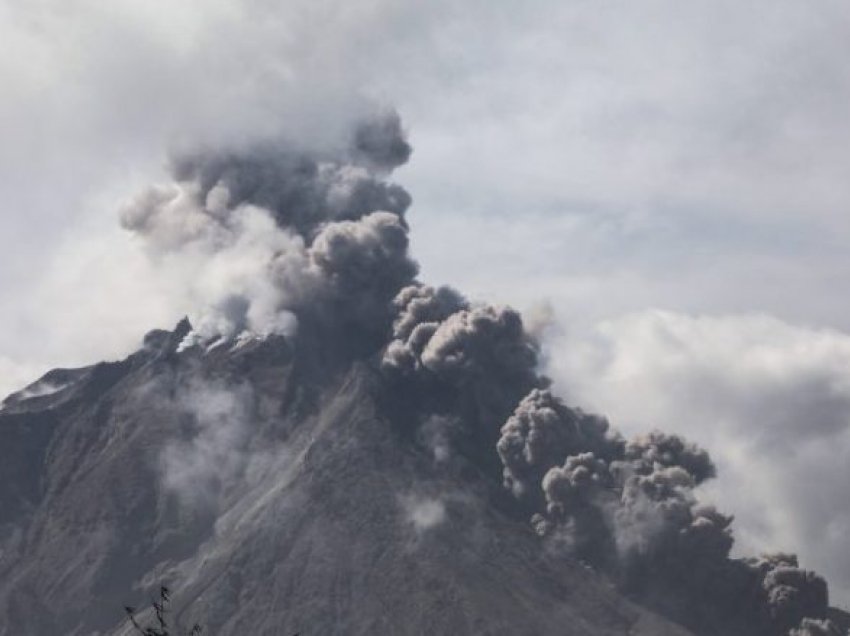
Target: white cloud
(16, 374)
(769, 400)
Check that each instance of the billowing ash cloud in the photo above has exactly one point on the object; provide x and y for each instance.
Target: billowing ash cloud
(658, 449)
(790, 594)
(632, 508)
(277, 238)
(481, 356)
(270, 233)
(419, 311)
(436, 330)
(471, 344)
(363, 263)
(380, 142)
(541, 433)
(421, 304)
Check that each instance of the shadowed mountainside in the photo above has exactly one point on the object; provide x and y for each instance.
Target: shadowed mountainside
(323, 528)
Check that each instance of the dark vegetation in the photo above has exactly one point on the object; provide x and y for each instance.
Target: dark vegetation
(160, 608)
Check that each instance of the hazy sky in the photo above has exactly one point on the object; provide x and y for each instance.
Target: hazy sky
(670, 178)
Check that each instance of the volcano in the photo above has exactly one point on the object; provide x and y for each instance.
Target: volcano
(330, 446)
(323, 528)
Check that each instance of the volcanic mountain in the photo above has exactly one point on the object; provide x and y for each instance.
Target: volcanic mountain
(330, 446)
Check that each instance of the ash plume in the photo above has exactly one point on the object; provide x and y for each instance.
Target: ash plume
(270, 233)
(284, 241)
(541, 433)
(658, 449)
(638, 500)
(437, 332)
(451, 358)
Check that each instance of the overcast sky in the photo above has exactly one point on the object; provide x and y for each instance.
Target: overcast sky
(670, 178)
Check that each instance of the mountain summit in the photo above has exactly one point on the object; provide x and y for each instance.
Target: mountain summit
(330, 446)
(276, 494)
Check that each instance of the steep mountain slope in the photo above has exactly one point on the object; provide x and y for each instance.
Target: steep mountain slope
(333, 522)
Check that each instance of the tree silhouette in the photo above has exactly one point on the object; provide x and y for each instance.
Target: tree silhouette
(160, 608)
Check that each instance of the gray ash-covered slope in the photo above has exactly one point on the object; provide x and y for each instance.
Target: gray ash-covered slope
(333, 447)
(330, 521)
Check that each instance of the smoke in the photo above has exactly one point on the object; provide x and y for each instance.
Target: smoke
(633, 509)
(214, 451)
(438, 434)
(305, 188)
(286, 240)
(541, 433)
(419, 310)
(770, 402)
(13, 376)
(41, 388)
(363, 263)
(424, 513)
(471, 363)
(471, 344)
(263, 234)
(659, 449)
(436, 331)
(419, 304)
(814, 627)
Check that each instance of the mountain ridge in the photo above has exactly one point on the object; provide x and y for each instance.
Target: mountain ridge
(317, 458)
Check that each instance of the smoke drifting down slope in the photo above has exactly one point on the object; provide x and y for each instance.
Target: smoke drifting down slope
(302, 259)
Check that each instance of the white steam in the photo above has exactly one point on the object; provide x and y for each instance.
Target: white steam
(424, 513)
(214, 453)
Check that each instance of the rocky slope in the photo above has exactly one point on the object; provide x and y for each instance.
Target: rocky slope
(318, 515)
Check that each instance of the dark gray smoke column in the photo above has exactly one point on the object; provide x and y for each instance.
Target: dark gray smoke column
(277, 233)
(541, 433)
